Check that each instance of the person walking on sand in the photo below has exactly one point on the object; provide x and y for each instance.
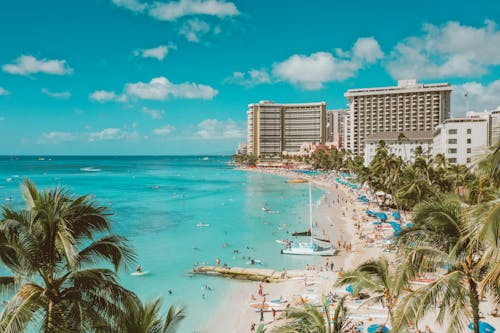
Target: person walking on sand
(261, 314)
(261, 292)
(274, 313)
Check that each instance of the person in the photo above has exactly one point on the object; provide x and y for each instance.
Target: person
(274, 313)
(427, 329)
(252, 327)
(261, 314)
(217, 262)
(260, 290)
(332, 265)
(494, 313)
(138, 269)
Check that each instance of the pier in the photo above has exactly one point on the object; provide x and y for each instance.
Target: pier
(249, 274)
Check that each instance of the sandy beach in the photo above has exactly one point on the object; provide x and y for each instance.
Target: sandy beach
(341, 218)
(335, 221)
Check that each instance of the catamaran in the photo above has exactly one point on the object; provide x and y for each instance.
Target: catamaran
(313, 247)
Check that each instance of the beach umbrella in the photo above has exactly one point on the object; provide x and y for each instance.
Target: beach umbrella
(409, 225)
(349, 289)
(396, 215)
(376, 328)
(380, 193)
(382, 216)
(484, 327)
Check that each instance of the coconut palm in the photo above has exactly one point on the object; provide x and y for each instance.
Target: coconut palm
(439, 242)
(309, 319)
(376, 276)
(51, 249)
(147, 318)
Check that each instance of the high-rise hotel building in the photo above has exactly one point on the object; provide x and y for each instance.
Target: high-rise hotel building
(408, 107)
(274, 129)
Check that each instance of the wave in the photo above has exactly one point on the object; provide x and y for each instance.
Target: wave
(90, 169)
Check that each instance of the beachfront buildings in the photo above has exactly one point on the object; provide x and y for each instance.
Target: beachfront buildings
(274, 129)
(335, 127)
(462, 139)
(409, 107)
(403, 144)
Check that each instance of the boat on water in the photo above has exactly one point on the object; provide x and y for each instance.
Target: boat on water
(297, 180)
(201, 224)
(205, 158)
(314, 247)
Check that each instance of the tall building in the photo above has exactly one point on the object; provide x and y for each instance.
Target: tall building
(274, 129)
(335, 127)
(409, 107)
(460, 140)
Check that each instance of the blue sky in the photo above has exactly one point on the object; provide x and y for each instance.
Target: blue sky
(175, 77)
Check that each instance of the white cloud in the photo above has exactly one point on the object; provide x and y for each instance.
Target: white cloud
(449, 50)
(311, 72)
(27, 64)
(215, 129)
(173, 10)
(164, 130)
(160, 88)
(479, 97)
(56, 137)
(55, 94)
(108, 134)
(154, 114)
(133, 5)
(158, 52)
(251, 78)
(194, 29)
(103, 96)
(4, 92)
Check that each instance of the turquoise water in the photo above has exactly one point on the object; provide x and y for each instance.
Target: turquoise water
(157, 202)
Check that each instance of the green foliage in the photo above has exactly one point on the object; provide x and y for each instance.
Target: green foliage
(52, 247)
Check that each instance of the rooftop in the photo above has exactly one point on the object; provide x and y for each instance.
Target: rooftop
(393, 136)
(404, 86)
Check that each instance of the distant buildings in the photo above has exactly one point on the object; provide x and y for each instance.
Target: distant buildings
(403, 144)
(335, 127)
(405, 117)
(275, 129)
(409, 107)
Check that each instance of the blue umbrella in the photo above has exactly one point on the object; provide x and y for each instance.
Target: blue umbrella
(349, 289)
(376, 328)
(382, 216)
(484, 327)
(396, 215)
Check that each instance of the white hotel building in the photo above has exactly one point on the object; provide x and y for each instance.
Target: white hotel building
(409, 107)
(463, 139)
(275, 129)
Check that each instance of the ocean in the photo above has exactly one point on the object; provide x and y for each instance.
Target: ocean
(157, 203)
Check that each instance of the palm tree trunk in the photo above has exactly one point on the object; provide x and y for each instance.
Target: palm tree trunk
(474, 302)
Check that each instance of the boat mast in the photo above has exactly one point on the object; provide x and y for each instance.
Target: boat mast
(310, 213)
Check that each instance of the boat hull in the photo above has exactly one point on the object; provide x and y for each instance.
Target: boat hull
(308, 252)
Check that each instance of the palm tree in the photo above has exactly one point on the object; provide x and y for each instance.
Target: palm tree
(376, 276)
(438, 241)
(146, 318)
(308, 319)
(51, 250)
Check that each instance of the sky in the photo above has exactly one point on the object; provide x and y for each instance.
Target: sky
(140, 77)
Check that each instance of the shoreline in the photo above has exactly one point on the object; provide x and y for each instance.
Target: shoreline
(337, 201)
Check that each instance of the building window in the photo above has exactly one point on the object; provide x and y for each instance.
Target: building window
(452, 131)
(469, 150)
(452, 141)
(469, 131)
(452, 150)
(468, 159)
(452, 160)
(469, 140)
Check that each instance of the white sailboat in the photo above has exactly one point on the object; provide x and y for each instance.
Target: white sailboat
(311, 248)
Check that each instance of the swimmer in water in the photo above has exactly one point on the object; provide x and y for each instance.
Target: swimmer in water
(138, 269)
